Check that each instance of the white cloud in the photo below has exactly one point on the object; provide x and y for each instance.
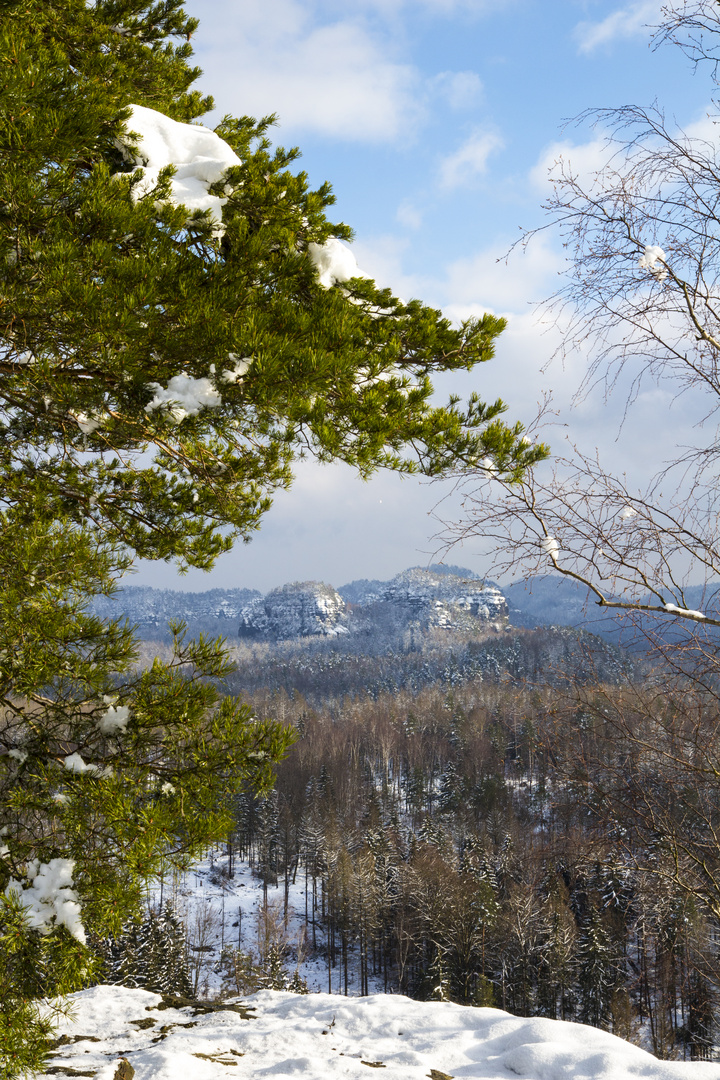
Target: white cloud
(409, 215)
(488, 282)
(461, 89)
(382, 259)
(627, 22)
(322, 73)
(470, 160)
(705, 128)
(584, 160)
(441, 7)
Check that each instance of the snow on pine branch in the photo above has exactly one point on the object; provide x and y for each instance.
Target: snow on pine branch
(237, 372)
(185, 395)
(200, 159)
(75, 764)
(49, 899)
(199, 156)
(115, 719)
(88, 422)
(334, 262)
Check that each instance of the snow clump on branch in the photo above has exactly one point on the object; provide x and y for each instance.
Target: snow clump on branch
(114, 720)
(550, 546)
(334, 262)
(50, 897)
(185, 395)
(236, 373)
(651, 260)
(87, 422)
(74, 763)
(687, 612)
(199, 156)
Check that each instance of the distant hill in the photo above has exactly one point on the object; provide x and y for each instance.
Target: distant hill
(554, 600)
(215, 612)
(551, 599)
(425, 625)
(417, 600)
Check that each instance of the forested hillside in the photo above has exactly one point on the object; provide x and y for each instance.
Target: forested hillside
(489, 843)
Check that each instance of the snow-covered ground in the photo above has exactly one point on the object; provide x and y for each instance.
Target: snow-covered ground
(320, 1036)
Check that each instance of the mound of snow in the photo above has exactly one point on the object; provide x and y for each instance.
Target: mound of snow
(200, 158)
(321, 1036)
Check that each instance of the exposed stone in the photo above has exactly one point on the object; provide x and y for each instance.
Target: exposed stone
(301, 609)
(446, 600)
(124, 1070)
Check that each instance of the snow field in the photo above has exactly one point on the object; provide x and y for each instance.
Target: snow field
(319, 1036)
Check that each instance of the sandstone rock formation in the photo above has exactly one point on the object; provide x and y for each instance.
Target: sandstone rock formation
(446, 600)
(301, 609)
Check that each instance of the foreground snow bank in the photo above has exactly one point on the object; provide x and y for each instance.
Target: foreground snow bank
(321, 1036)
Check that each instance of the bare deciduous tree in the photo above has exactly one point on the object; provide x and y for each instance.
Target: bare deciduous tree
(642, 301)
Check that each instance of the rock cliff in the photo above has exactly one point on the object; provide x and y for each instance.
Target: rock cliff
(301, 609)
(446, 600)
(421, 598)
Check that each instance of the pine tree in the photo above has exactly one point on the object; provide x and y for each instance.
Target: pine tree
(598, 967)
(111, 291)
(161, 366)
(150, 954)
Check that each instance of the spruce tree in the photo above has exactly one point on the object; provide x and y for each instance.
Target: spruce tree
(599, 970)
(150, 954)
(163, 361)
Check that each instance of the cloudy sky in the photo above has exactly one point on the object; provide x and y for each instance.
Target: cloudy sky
(436, 122)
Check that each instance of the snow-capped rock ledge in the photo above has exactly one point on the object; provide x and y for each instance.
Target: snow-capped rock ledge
(300, 609)
(443, 599)
(321, 1037)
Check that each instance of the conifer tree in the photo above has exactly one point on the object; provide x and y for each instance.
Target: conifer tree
(151, 955)
(598, 970)
(172, 337)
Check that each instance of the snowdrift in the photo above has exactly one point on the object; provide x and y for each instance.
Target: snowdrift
(319, 1036)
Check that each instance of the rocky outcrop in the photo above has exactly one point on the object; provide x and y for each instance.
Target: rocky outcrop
(302, 609)
(446, 600)
(419, 598)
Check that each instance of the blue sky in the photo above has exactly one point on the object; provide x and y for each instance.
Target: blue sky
(436, 122)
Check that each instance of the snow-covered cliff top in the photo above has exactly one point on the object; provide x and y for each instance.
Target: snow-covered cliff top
(299, 609)
(320, 1037)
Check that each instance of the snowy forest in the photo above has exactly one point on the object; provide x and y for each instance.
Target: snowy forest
(491, 842)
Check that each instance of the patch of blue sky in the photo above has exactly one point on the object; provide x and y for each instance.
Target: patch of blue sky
(428, 118)
(435, 121)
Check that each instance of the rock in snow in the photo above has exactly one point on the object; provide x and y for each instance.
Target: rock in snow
(312, 608)
(322, 1037)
